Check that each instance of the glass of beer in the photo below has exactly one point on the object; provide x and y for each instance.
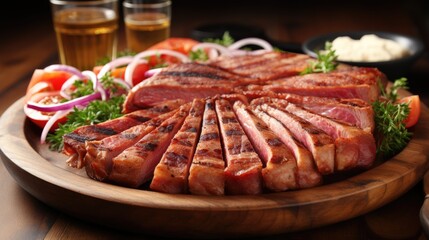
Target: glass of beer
(86, 31)
(146, 22)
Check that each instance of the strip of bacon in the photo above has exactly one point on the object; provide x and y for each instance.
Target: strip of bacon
(100, 153)
(308, 176)
(280, 169)
(171, 173)
(74, 143)
(317, 141)
(135, 165)
(206, 175)
(243, 171)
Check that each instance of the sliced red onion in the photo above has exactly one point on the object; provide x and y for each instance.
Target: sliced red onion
(51, 122)
(103, 93)
(64, 106)
(65, 68)
(214, 49)
(130, 70)
(251, 41)
(259, 51)
(122, 83)
(66, 85)
(37, 88)
(91, 75)
(114, 64)
(152, 72)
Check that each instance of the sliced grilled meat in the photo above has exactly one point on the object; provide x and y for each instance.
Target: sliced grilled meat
(355, 112)
(317, 141)
(171, 173)
(280, 169)
(206, 175)
(100, 153)
(74, 143)
(243, 171)
(135, 165)
(353, 146)
(308, 176)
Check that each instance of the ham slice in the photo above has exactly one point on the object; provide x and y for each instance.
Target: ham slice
(206, 175)
(243, 171)
(171, 173)
(135, 165)
(280, 169)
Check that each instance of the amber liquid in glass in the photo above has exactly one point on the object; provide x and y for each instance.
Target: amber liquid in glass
(86, 35)
(146, 29)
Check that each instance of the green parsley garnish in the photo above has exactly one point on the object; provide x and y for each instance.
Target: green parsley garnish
(225, 41)
(123, 53)
(198, 55)
(390, 132)
(326, 61)
(96, 112)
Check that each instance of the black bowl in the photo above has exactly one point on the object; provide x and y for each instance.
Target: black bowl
(393, 69)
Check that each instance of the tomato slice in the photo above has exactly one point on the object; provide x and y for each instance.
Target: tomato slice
(183, 45)
(414, 105)
(138, 74)
(54, 79)
(41, 118)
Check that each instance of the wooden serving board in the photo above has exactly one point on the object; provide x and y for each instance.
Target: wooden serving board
(45, 175)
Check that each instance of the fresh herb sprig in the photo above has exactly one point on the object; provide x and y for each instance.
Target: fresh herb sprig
(226, 40)
(325, 62)
(390, 132)
(198, 55)
(96, 112)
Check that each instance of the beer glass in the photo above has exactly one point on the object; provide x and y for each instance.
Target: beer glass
(86, 31)
(146, 22)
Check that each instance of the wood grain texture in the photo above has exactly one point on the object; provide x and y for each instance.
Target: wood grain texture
(45, 175)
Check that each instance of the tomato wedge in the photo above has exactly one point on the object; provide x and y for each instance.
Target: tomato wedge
(413, 102)
(52, 80)
(183, 45)
(138, 74)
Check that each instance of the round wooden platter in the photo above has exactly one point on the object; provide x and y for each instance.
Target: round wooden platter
(45, 175)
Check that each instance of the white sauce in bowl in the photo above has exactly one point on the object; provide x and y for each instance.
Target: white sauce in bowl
(370, 48)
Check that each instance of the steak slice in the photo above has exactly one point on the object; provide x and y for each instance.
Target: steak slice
(74, 143)
(353, 82)
(171, 173)
(355, 112)
(353, 146)
(243, 171)
(135, 165)
(308, 176)
(280, 169)
(317, 141)
(255, 66)
(206, 175)
(100, 153)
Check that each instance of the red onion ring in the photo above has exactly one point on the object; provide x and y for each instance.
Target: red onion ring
(251, 41)
(51, 122)
(64, 68)
(66, 85)
(91, 76)
(64, 106)
(114, 64)
(218, 49)
(152, 72)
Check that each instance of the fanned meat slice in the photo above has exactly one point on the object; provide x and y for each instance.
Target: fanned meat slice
(353, 82)
(308, 176)
(354, 147)
(74, 143)
(135, 165)
(354, 111)
(206, 175)
(317, 141)
(255, 66)
(171, 173)
(243, 171)
(100, 153)
(280, 169)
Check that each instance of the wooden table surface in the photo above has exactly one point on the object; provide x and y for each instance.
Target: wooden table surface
(29, 43)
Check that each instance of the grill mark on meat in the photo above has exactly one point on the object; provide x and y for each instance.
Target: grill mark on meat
(167, 129)
(210, 121)
(78, 137)
(193, 74)
(274, 142)
(129, 135)
(209, 136)
(229, 120)
(210, 105)
(243, 171)
(150, 146)
(138, 118)
(191, 130)
(171, 173)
